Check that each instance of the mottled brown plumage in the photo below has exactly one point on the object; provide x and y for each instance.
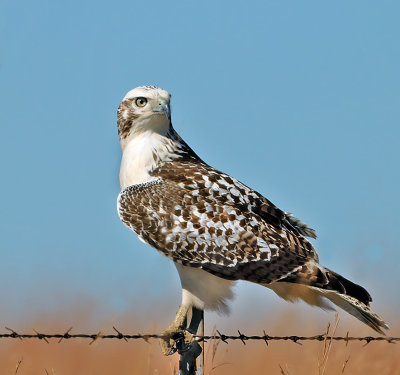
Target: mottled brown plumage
(200, 217)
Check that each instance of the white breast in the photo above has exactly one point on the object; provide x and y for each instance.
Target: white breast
(138, 158)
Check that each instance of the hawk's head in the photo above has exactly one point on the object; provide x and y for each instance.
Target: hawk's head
(144, 108)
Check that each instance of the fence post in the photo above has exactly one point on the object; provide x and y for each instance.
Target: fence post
(191, 357)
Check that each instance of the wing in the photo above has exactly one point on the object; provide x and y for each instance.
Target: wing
(198, 175)
(200, 217)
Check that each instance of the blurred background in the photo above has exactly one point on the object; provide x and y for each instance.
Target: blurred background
(299, 101)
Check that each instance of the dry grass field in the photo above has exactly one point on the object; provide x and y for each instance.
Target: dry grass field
(32, 356)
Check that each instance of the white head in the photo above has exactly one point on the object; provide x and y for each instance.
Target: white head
(145, 108)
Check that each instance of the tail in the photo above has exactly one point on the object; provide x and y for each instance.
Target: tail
(315, 285)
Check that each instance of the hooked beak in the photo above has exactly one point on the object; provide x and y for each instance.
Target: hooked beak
(163, 108)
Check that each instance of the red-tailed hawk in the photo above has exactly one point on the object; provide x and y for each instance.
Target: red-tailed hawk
(213, 227)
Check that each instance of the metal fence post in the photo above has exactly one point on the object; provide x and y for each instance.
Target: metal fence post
(191, 357)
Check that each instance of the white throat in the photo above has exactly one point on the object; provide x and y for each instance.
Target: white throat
(138, 159)
(141, 153)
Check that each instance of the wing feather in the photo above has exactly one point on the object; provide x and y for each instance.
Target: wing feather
(200, 217)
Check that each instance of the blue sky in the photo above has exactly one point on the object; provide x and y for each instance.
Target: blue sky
(298, 100)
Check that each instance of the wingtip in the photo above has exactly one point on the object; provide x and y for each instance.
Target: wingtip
(302, 227)
(312, 233)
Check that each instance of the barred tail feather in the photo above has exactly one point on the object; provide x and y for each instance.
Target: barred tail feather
(317, 286)
(357, 309)
(321, 298)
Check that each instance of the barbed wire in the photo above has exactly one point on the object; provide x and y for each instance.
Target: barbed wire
(218, 336)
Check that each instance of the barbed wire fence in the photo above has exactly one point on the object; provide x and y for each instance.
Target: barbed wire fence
(187, 361)
(12, 334)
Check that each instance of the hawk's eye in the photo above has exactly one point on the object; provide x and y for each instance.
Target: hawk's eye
(141, 102)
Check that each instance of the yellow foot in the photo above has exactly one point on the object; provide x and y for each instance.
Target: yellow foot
(170, 336)
(176, 331)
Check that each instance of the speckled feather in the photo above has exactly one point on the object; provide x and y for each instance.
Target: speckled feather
(200, 217)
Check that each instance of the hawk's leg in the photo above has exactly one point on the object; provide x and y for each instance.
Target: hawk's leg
(178, 333)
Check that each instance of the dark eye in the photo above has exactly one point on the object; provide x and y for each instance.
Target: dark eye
(141, 102)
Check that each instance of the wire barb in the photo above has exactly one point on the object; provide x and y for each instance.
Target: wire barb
(120, 335)
(41, 336)
(66, 335)
(266, 337)
(13, 333)
(222, 337)
(99, 335)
